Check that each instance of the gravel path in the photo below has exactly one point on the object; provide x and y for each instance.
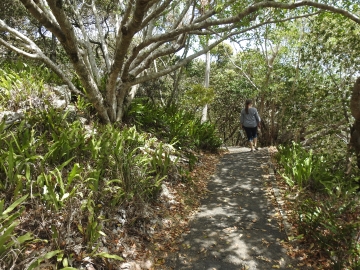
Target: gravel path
(235, 227)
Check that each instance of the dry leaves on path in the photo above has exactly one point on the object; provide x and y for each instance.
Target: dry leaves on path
(187, 199)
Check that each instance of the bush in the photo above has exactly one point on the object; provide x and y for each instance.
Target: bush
(173, 125)
(327, 211)
(297, 164)
(62, 164)
(317, 172)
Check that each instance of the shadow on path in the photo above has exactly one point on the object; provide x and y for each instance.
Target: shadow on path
(234, 227)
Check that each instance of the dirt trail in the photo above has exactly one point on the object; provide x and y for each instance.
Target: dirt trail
(235, 228)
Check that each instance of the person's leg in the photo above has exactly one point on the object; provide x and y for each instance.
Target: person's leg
(251, 145)
(254, 135)
(249, 135)
(255, 143)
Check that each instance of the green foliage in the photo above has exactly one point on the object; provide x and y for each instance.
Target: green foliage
(333, 224)
(108, 256)
(60, 163)
(18, 157)
(222, 52)
(55, 190)
(303, 168)
(83, 106)
(39, 72)
(22, 85)
(92, 231)
(198, 96)
(161, 161)
(205, 137)
(10, 242)
(68, 138)
(175, 126)
(45, 257)
(298, 164)
(327, 212)
(121, 167)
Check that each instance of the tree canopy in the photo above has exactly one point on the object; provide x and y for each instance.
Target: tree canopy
(113, 46)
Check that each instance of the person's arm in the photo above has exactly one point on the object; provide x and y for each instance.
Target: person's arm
(258, 119)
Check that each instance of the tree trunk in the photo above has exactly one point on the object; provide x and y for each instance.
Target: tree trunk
(204, 116)
(355, 111)
(53, 48)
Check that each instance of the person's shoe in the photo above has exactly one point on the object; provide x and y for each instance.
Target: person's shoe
(256, 148)
(252, 150)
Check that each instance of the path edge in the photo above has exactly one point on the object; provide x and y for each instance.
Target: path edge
(272, 179)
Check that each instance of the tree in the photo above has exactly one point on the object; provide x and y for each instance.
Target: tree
(333, 47)
(110, 45)
(299, 74)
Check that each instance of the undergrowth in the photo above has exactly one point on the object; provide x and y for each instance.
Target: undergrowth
(173, 125)
(326, 211)
(69, 188)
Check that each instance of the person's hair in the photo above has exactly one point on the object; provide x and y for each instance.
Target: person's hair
(248, 102)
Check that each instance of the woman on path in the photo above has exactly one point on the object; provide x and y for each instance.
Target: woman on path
(250, 121)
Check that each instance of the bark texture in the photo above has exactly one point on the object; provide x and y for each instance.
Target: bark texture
(355, 111)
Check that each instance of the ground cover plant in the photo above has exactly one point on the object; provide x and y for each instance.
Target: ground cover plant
(73, 195)
(322, 201)
(174, 125)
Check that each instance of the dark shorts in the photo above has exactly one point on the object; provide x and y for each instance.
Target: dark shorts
(251, 133)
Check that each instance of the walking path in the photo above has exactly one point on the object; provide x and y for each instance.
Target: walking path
(235, 227)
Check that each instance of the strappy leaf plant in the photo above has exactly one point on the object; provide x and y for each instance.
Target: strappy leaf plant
(303, 168)
(54, 188)
(45, 257)
(161, 161)
(297, 164)
(173, 125)
(64, 164)
(68, 139)
(18, 159)
(333, 225)
(92, 228)
(22, 86)
(10, 242)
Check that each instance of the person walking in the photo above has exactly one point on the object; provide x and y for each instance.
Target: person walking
(250, 121)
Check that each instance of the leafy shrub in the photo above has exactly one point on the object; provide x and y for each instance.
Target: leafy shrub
(118, 163)
(315, 171)
(18, 158)
(327, 212)
(73, 172)
(173, 125)
(297, 164)
(205, 137)
(39, 72)
(59, 163)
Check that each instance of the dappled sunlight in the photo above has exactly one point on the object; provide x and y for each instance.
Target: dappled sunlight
(234, 228)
